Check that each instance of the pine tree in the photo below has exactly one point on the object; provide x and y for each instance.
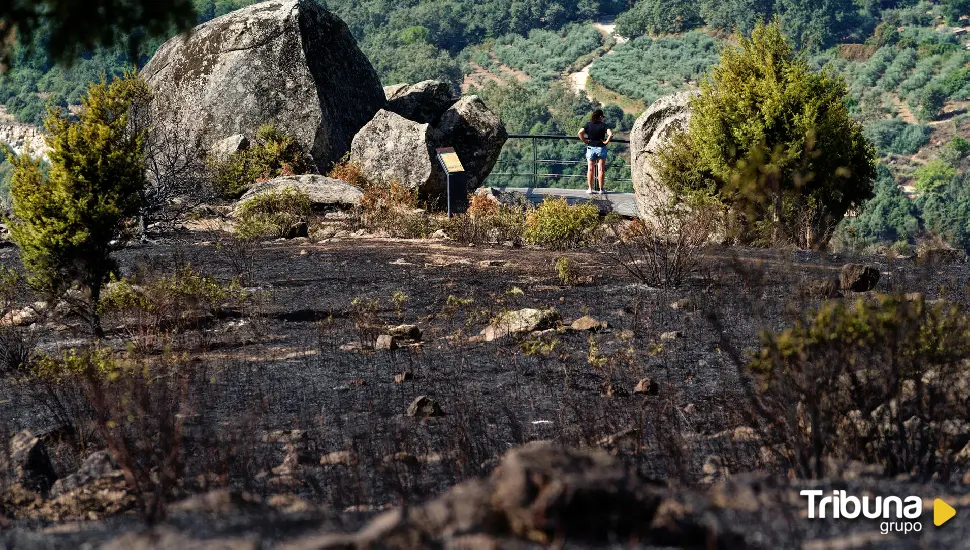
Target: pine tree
(772, 141)
(64, 220)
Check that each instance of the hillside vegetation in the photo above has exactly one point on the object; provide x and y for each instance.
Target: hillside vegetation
(906, 65)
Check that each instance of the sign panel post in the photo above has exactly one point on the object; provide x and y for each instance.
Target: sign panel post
(457, 180)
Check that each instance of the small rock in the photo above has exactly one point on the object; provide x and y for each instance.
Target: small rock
(406, 332)
(588, 323)
(671, 335)
(285, 436)
(520, 322)
(825, 289)
(297, 230)
(323, 233)
(403, 377)
(386, 342)
(94, 467)
(858, 278)
(336, 457)
(340, 215)
(20, 317)
(683, 303)
(424, 407)
(225, 148)
(647, 386)
(714, 469)
(744, 433)
(493, 263)
(351, 346)
(30, 462)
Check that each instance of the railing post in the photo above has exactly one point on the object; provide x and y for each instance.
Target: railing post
(535, 164)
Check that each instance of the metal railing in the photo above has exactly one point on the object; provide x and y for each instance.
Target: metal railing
(536, 175)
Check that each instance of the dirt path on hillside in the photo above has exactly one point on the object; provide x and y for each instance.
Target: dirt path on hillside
(579, 79)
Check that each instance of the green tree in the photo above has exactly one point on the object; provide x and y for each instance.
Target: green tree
(774, 143)
(76, 26)
(731, 15)
(933, 176)
(817, 24)
(659, 17)
(930, 102)
(64, 221)
(953, 9)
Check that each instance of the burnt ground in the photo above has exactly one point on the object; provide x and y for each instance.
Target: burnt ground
(282, 360)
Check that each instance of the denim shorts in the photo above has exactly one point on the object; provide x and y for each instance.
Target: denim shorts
(593, 153)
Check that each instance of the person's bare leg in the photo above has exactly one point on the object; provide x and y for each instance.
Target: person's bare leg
(589, 175)
(602, 173)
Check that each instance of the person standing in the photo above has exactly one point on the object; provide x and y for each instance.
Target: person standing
(596, 136)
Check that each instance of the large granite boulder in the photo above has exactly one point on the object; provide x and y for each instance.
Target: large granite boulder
(422, 102)
(286, 62)
(477, 135)
(392, 147)
(650, 133)
(324, 192)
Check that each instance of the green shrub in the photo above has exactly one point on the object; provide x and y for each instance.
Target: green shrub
(875, 381)
(154, 311)
(557, 224)
(272, 155)
(272, 214)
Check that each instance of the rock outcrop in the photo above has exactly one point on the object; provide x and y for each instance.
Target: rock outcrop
(399, 143)
(858, 278)
(477, 135)
(650, 133)
(27, 459)
(392, 148)
(286, 62)
(21, 137)
(324, 192)
(423, 102)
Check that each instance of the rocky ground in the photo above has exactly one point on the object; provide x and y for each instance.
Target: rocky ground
(367, 389)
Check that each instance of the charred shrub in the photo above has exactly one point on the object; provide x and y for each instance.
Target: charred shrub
(138, 407)
(348, 171)
(558, 225)
(664, 249)
(487, 222)
(394, 210)
(17, 343)
(881, 381)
